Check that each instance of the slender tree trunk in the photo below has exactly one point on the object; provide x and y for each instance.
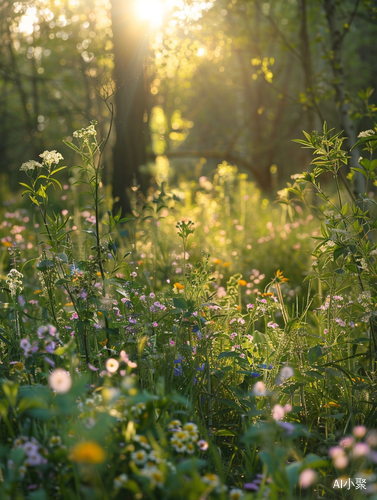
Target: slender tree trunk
(132, 136)
(336, 42)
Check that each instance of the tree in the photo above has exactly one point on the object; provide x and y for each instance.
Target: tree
(131, 47)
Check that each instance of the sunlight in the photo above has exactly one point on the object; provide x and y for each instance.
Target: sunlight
(28, 21)
(150, 10)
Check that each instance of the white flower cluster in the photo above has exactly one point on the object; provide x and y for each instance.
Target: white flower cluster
(366, 133)
(86, 133)
(14, 280)
(50, 157)
(29, 165)
(35, 453)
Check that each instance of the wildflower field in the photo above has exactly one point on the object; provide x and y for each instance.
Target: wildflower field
(212, 345)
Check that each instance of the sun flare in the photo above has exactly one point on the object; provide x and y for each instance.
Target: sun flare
(150, 10)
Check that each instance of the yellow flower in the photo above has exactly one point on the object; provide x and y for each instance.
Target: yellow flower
(217, 261)
(19, 366)
(226, 264)
(7, 243)
(37, 291)
(88, 452)
(69, 304)
(331, 405)
(242, 282)
(179, 286)
(280, 277)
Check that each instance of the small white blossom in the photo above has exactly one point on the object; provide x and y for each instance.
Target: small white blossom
(29, 165)
(366, 133)
(14, 280)
(50, 157)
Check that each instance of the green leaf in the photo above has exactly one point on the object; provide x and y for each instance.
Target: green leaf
(72, 146)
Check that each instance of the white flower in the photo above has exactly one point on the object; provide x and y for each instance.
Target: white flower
(120, 481)
(86, 133)
(139, 457)
(50, 157)
(259, 389)
(366, 133)
(112, 365)
(236, 494)
(29, 165)
(14, 280)
(60, 380)
(286, 372)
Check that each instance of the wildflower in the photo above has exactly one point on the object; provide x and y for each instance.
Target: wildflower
(359, 431)
(55, 441)
(30, 165)
(226, 264)
(50, 157)
(88, 452)
(139, 457)
(259, 389)
(174, 424)
(120, 481)
(211, 479)
(307, 478)
(112, 365)
(179, 286)
(286, 372)
(60, 380)
(155, 475)
(249, 306)
(242, 282)
(272, 325)
(280, 277)
(278, 412)
(236, 494)
(366, 133)
(155, 324)
(143, 441)
(14, 280)
(203, 445)
(360, 450)
(346, 442)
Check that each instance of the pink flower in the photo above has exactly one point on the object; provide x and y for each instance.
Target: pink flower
(278, 412)
(307, 478)
(112, 365)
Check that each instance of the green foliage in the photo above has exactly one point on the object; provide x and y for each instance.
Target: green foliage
(153, 382)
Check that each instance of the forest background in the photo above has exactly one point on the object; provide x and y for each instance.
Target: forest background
(186, 83)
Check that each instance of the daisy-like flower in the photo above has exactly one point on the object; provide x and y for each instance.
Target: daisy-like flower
(236, 494)
(155, 475)
(179, 286)
(139, 408)
(60, 380)
(174, 424)
(120, 481)
(139, 457)
(203, 445)
(190, 448)
(190, 427)
(112, 365)
(211, 479)
(179, 446)
(142, 440)
(286, 372)
(259, 389)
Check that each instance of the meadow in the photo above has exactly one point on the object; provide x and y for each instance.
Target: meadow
(214, 344)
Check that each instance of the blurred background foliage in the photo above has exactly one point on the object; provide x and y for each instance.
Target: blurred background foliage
(195, 83)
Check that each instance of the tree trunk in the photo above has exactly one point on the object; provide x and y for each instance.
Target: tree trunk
(132, 136)
(336, 43)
